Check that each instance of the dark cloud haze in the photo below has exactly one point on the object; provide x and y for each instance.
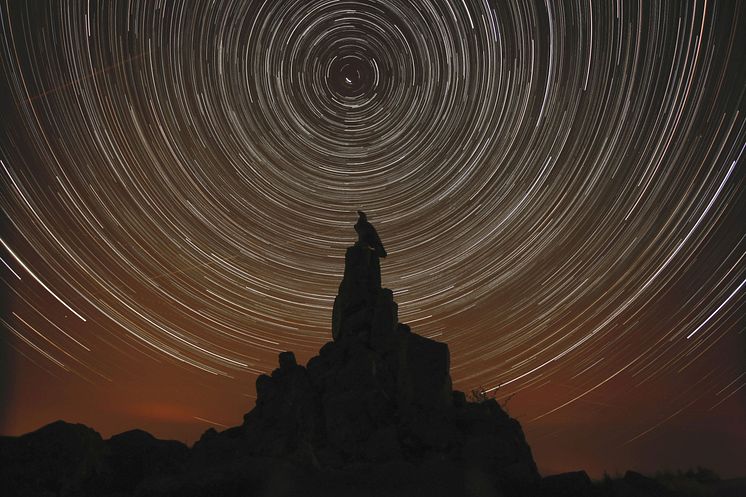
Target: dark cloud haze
(560, 188)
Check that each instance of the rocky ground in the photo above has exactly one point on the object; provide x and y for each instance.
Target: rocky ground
(372, 414)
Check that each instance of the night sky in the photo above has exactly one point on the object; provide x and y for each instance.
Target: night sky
(559, 186)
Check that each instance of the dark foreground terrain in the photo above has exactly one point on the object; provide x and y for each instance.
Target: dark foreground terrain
(63, 459)
(373, 414)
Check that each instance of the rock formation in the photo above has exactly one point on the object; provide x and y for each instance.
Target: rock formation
(377, 393)
(372, 414)
(63, 459)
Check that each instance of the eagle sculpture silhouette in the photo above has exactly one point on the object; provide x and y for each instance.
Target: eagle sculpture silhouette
(368, 236)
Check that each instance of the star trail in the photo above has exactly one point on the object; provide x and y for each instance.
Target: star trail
(559, 185)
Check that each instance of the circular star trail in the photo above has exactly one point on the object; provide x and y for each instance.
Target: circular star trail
(558, 185)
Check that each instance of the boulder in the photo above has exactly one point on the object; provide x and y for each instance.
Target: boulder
(136, 455)
(571, 484)
(644, 486)
(287, 360)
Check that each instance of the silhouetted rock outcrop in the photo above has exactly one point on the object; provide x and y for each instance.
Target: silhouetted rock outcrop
(136, 455)
(373, 413)
(57, 459)
(64, 459)
(572, 484)
(378, 392)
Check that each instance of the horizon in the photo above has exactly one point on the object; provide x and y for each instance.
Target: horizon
(560, 190)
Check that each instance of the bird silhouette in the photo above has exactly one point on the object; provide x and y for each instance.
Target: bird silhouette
(367, 235)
